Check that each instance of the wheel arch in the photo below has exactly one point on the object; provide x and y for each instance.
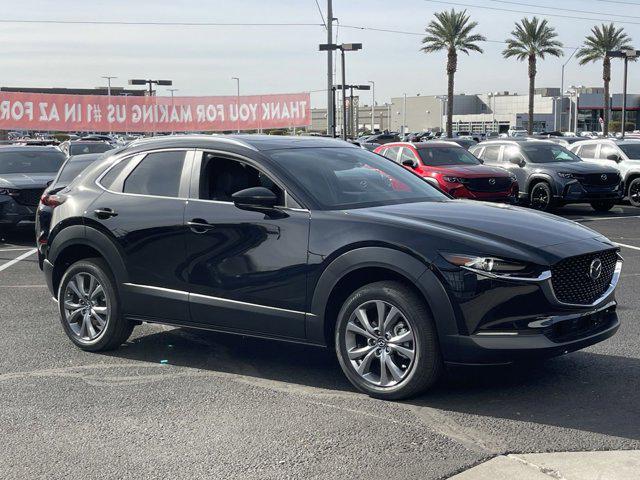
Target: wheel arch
(631, 176)
(78, 242)
(358, 267)
(540, 177)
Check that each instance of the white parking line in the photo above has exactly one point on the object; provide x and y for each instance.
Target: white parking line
(587, 219)
(4, 266)
(628, 246)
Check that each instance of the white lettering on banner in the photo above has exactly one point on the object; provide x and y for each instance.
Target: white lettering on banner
(200, 113)
(136, 114)
(70, 112)
(5, 106)
(254, 108)
(185, 113)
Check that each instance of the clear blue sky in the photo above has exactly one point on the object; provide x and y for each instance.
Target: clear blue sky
(202, 60)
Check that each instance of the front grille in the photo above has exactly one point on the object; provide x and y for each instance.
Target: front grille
(488, 184)
(572, 281)
(599, 179)
(29, 197)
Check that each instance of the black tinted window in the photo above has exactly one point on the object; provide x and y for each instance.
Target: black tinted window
(447, 156)
(30, 161)
(158, 174)
(632, 150)
(110, 177)
(337, 178)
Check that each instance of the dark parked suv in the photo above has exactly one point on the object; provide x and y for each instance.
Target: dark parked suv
(24, 174)
(550, 176)
(316, 241)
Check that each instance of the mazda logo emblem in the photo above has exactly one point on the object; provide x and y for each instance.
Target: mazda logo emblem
(595, 269)
(364, 184)
(603, 177)
(492, 181)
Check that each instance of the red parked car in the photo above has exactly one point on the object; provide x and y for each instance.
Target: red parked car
(454, 170)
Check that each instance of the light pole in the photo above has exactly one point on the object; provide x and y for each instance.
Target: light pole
(172, 90)
(352, 128)
(139, 81)
(345, 47)
(237, 99)
(626, 54)
(373, 103)
(562, 89)
(404, 113)
(442, 98)
(108, 79)
(573, 91)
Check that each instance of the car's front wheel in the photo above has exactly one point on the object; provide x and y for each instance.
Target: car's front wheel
(541, 197)
(89, 307)
(386, 341)
(603, 205)
(634, 192)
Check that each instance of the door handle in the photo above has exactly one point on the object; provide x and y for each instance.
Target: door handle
(199, 225)
(105, 213)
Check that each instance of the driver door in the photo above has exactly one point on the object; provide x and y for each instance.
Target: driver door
(246, 269)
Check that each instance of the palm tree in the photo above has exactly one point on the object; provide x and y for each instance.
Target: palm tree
(603, 38)
(532, 39)
(451, 31)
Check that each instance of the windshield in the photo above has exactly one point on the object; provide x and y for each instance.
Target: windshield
(30, 161)
(631, 150)
(342, 178)
(437, 156)
(84, 148)
(72, 169)
(548, 153)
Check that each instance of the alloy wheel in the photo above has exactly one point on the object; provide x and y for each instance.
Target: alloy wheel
(540, 198)
(86, 307)
(634, 193)
(380, 343)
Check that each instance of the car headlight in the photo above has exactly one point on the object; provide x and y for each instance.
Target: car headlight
(12, 192)
(449, 179)
(565, 175)
(484, 264)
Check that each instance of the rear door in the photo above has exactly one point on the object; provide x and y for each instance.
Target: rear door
(588, 152)
(142, 209)
(246, 268)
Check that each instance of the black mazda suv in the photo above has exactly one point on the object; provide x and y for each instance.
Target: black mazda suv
(313, 240)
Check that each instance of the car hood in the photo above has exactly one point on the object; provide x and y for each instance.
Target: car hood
(483, 223)
(25, 180)
(575, 167)
(470, 171)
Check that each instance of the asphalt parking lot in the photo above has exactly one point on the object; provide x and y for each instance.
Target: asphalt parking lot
(175, 403)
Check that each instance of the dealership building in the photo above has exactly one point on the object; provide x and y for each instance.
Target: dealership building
(489, 112)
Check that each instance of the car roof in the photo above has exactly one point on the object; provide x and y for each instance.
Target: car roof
(257, 143)
(29, 148)
(617, 141)
(515, 141)
(418, 145)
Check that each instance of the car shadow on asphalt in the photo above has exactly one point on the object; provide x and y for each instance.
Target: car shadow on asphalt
(585, 391)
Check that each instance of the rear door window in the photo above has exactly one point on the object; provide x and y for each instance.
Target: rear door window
(158, 174)
(392, 153)
(588, 151)
(491, 153)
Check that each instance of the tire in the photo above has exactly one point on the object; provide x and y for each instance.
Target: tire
(603, 205)
(414, 322)
(80, 315)
(633, 191)
(541, 197)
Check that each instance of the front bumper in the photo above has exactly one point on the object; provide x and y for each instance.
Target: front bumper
(559, 335)
(575, 192)
(505, 320)
(11, 212)
(506, 196)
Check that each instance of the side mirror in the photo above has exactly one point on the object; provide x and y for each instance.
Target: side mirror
(410, 163)
(48, 184)
(516, 161)
(615, 157)
(254, 198)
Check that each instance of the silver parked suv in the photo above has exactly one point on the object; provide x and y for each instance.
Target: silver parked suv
(624, 155)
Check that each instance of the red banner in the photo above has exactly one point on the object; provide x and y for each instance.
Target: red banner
(98, 113)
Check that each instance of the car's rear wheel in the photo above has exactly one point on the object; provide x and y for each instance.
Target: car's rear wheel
(634, 192)
(89, 307)
(541, 197)
(603, 205)
(386, 341)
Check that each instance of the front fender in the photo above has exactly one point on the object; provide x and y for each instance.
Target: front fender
(547, 178)
(414, 270)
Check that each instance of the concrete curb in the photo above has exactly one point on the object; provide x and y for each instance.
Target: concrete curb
(614, 465)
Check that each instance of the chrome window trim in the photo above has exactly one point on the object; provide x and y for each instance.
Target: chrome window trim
(182, 294)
